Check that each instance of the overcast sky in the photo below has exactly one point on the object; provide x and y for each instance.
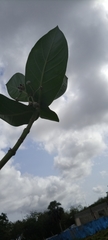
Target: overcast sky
(65, 161)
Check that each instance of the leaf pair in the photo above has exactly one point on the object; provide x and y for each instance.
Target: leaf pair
(44, 81)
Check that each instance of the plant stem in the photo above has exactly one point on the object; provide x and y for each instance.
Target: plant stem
(12, 151)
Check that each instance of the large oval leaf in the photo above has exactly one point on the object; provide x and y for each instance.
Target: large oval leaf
(14, 113)
(16, 87)
(46, 66)
(63, 88)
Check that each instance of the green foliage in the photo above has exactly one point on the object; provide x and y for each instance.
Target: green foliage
(47, 113)
(17, 229)
(16, 88)
(100, 200)
(4, 227)
(44, 81)
(56, 213)
(13, 112)
(53, 205)
(46, 66)
(63, 88)
(38, 225)
(101, 235)
(42, 225)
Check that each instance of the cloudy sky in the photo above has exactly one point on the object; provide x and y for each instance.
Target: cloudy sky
(65, 161)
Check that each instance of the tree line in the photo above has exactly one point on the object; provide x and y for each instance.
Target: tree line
(40, 225)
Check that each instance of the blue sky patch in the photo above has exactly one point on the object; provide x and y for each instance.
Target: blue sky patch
(1, 71)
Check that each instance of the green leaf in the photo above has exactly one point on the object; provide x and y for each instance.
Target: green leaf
(47, 113)
(63, 88)
(13, 112)
(16, 87)
(46, 66)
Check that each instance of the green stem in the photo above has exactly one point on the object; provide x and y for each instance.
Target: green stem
(25, 132)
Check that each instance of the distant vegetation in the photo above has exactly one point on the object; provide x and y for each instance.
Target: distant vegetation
(102, 235)
(41, 225)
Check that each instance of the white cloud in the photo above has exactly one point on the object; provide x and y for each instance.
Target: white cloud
(73, 149)
(104, 173)
(99, 189)
(22, 193)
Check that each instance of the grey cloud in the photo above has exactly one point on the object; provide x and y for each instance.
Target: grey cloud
(88, 54)
(88, 34)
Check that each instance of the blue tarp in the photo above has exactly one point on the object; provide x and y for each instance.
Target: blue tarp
(83, 231)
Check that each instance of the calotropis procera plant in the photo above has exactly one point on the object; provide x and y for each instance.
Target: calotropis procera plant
(44, 81)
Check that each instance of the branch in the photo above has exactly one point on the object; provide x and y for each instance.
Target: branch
(12, 151)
